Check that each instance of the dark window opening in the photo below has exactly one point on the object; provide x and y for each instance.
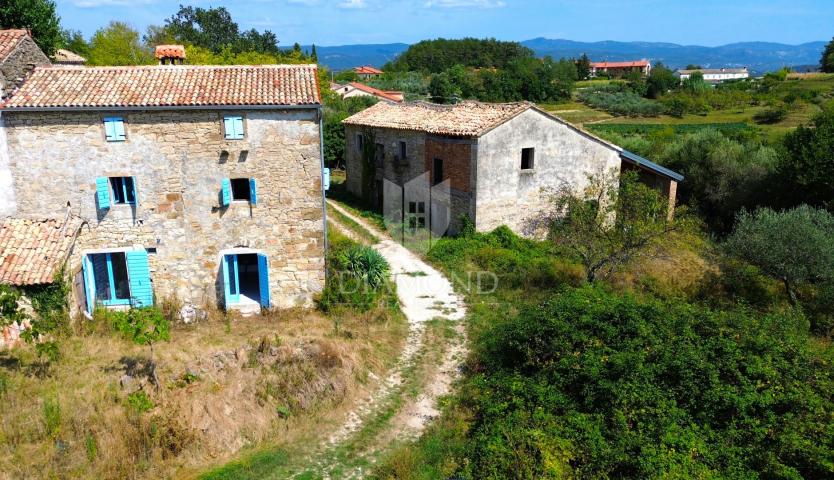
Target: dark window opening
(360, 142)
(110, 278)
(437, 175)
(241, 189)
(527, 157)
(379, 154)
(124, 192)
(402, 151)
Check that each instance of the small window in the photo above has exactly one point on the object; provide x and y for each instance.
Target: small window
(233, 127)
(527, 157)
(402, 151)
(360, 142)
(114, 129)
(241, 189)
(124, 190)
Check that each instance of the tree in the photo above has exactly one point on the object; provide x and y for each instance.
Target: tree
(214, 29)
(158, 35)
(313, 55)
(795, 246)
(118, 44)
(611, 223)
(73, 41)
(583, 67)
(39, 16)
(143, 326)
(807, 172)
(442, 89)
(693, 67)
(695, 83)
(827, 58)
(660, 81)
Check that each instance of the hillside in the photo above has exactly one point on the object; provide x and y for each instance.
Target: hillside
(758, 56)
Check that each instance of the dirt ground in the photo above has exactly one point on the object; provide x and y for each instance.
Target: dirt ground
(225, 384)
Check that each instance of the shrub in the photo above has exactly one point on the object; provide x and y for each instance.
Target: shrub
(621, 103)
(593, 385)
(139, 402)
(357, 277)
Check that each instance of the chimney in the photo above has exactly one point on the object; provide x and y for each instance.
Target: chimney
(170, 54)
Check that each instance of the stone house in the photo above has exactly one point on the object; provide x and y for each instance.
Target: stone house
(501, 163)
(19, 55)
(367, 72)
(202, 183)
(619, 69)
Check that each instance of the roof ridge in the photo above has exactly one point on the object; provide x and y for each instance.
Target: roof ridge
(180, 67)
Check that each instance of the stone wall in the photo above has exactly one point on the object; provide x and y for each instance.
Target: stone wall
(18, 64)
(179, 159)
(507, 195)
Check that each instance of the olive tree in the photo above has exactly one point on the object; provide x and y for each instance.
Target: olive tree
(795, 246)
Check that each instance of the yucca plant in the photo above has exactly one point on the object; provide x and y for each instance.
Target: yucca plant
(366, 264)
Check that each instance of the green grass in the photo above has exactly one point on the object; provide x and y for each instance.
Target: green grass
(354, 227)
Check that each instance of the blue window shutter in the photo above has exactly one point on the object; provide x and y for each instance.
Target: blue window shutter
(327, 179)
(229, 128)
(253, 192)
(238, 122)
(109, 130)
(119, 127)
(263, 280)
(224, 265)
(226, 192)
(103, 192)
(139, 276)
(89, 284)
(135, 191)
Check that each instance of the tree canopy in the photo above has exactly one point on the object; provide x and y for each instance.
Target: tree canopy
(807, 172)
(215, 30)
(118, 44)
(435, 56)
(827, 58)
(39, 16)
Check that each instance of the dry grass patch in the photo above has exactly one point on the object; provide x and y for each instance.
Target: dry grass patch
(226, 384)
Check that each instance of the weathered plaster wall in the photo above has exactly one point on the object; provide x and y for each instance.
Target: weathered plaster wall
(179, 159)
(8, 204)
(18, 64)
(506, 195)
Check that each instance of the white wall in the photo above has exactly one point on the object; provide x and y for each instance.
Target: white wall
(8, 204)
(506, 195)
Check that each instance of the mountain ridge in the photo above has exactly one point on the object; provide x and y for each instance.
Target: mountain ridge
(758, 56)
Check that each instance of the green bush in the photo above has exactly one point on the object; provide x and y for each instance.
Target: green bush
(139, 402)
(357, 277)
(620, 103)
(593, 385)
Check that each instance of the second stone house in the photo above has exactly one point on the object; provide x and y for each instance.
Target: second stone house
(499, 163)
(202, 183)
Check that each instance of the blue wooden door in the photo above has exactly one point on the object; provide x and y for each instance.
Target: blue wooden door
(231, 279)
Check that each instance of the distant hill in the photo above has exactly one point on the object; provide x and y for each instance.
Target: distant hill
(760, 57)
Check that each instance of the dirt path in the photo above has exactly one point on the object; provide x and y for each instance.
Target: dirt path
(406, 400)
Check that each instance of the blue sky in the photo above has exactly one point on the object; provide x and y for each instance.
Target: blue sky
(336, 22)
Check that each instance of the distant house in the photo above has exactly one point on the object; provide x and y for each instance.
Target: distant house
(19, 55)
(66, 57)
(367, 72)
(356, 89)
(716, 75)
(618, 69)
(498, 164)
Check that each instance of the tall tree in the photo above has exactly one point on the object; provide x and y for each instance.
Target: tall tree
(118, 44)
(39, 16)
(583, 67)
(313, 55)
(660, 81)
(214, 29)
(73, 41)
(806, 174)
(827, 58)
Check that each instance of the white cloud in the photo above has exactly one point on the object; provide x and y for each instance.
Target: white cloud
(353, 4)
(465, 3)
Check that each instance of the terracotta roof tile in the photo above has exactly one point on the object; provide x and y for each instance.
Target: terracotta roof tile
(387, 95)
(467, 119)
(367, 70)
(9, 40)
(637, 63)
(67, 57)
(167, 85)
(32, 251)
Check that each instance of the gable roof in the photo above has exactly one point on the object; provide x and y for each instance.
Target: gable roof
(466, 119)
(9, 39)
(635, 63)
(32, 251)
(390, 96)
(167, 86)
(367, 70)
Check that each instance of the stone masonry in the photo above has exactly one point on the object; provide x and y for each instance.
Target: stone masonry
(18, 64)
(179, 158)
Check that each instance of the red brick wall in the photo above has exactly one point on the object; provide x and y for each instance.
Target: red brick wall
(456, 159)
